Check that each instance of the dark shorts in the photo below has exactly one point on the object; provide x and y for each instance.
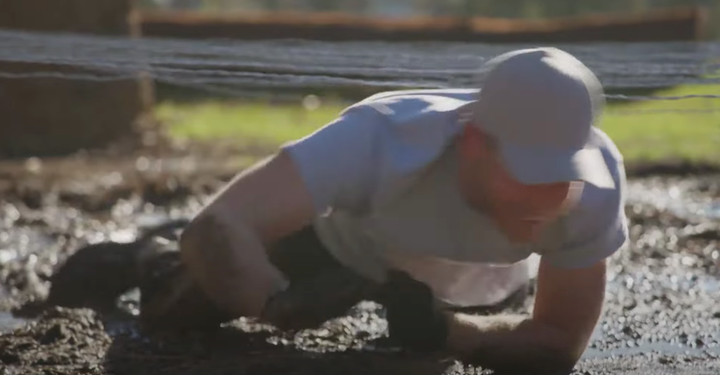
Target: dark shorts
(170, 299)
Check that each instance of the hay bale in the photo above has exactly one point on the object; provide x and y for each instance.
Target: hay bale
(50, 116)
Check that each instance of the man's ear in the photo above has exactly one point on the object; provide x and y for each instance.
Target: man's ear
(470, 142)
(474, 143)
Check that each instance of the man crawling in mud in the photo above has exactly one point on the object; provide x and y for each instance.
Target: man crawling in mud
(429, 202)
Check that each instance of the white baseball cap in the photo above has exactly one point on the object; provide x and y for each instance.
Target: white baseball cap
(539, 105)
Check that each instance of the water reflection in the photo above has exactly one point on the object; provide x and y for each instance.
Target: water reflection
(9, 323)
(657, 347)
(686, 197)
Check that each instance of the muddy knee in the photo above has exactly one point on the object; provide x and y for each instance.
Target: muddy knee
(95, 276)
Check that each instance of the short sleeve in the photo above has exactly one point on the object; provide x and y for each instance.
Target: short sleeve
(337, 162)
(597, 230)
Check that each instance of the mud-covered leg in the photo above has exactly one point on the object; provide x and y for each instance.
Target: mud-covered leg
(97, 274)
(171, 300)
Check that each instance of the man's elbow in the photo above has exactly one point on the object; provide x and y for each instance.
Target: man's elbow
(550, 361)
(562, 361)
(555, 353)
(563, 358)
(554, 363)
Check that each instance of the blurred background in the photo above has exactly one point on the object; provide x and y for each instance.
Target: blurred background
(252, 74)
(514, 9)
(525, 9)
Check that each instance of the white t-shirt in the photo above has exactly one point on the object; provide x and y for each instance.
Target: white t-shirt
(383, 180)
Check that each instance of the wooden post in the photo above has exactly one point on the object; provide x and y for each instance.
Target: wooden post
(51, 116)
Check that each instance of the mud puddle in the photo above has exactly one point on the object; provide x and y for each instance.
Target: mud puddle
(661, 295)
(691, 198)
(662, 289)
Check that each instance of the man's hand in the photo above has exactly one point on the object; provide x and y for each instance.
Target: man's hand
(414, 320)
(310, 303)
(570, 301)
(567, 307)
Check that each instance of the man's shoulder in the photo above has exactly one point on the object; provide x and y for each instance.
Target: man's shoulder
(601, 209)
(412, 106)
(597, 227)
(377, 146)
(411, 128)
(610, 151)
(605, 199)
(451, 93)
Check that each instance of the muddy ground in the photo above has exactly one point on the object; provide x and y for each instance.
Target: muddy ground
(661, 316)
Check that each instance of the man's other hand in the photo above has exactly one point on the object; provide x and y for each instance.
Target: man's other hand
(310, 303)
(414, 320)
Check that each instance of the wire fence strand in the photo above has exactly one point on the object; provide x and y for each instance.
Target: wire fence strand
(246, 68)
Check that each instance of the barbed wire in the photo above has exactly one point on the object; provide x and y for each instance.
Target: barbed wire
(243, 68)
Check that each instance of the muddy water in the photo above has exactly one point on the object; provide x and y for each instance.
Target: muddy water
(9, 323)
(691, 198)
(661, 293)
(662, 289)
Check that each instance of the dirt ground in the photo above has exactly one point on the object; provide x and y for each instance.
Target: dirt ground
(661, 316)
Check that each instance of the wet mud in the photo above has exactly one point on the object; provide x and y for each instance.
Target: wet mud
(661, 315)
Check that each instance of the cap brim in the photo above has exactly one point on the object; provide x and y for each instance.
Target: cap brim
(543, 166)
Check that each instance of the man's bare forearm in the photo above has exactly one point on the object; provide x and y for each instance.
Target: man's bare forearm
(228, 260)
(225, 246)
(511, 343)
